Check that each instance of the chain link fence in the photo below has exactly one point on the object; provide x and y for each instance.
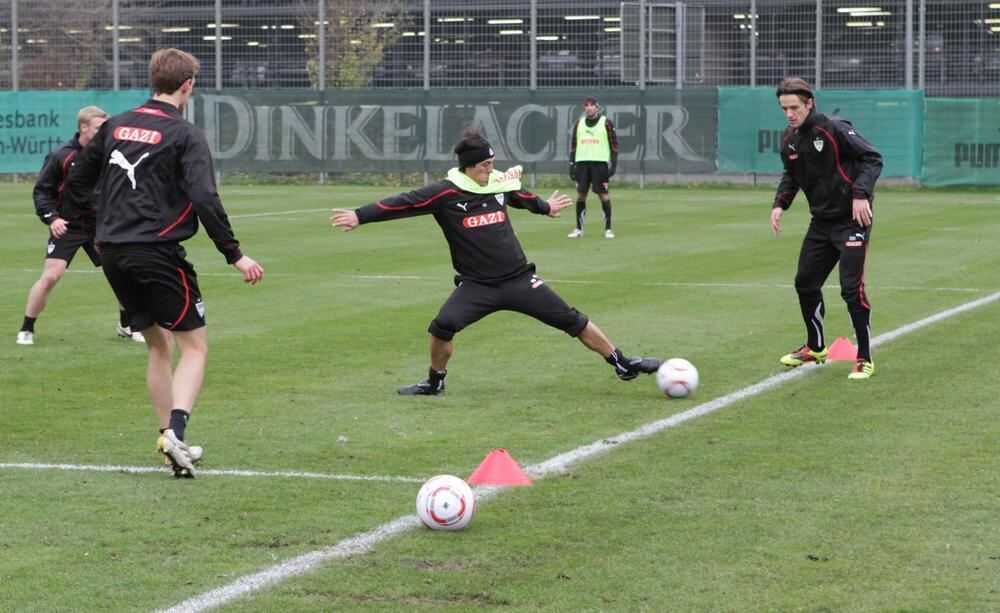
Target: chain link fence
(947, 47)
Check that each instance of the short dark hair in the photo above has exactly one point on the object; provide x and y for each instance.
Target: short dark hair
(170, 68)
(472, 148)
(590, 100)
(795, 86)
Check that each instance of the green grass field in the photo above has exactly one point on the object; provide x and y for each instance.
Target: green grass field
(818, 495)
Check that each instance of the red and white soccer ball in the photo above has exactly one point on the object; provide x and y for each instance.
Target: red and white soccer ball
(677, 378)
(445, 503)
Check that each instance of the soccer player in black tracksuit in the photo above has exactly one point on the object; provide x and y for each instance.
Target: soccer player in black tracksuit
(67, 234)
(593, 159)
(153, 171)
(836, 167)
(471, 207)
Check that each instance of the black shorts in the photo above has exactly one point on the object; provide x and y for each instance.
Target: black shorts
(528, 294)
(66, 247)
(155, 284)
(593, 176)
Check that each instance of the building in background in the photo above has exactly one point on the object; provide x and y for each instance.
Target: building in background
(951, 47)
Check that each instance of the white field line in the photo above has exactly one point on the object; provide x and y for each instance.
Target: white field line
(361, 543)
(682, 284)
(223, 473)
(97, 271)
(274, 213)
(970, 290)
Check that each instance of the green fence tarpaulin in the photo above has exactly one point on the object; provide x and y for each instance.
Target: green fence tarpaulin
(963, 142)
(661, 131)
(33, 123)
(751, 124)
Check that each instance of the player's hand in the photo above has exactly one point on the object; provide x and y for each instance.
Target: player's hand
(252, 271)
(572, 171)
(58, 227)
(776, 220)
(558, 202)
(344, 218)
(862, 212)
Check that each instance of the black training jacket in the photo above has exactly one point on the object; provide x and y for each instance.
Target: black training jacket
(479, 233)
(154, 178)
(831, 162)
(49, 190)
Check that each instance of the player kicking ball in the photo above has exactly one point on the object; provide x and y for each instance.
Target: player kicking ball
(471, 208)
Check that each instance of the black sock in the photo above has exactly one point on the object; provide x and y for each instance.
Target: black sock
(178, 421)
(123, 318)
(435, 376)
(617, 359)
(29, 324)
(606, 206)
(581, 213)
(861, 320)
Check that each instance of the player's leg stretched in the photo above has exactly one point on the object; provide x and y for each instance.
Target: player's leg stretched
(38, 297)
(433, 385)
(626, 368)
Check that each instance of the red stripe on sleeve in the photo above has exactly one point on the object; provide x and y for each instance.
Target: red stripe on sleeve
(417, 205)
(836, 153)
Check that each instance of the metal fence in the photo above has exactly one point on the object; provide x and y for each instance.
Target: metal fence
(947, 47)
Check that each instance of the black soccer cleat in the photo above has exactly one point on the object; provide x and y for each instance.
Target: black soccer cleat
(646, 366)
(424, 388)
(638, 366)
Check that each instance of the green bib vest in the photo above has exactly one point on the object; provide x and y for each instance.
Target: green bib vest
(592, 143)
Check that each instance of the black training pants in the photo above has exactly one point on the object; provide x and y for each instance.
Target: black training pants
(827, 244)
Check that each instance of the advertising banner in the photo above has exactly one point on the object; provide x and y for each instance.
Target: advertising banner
(413, 130)
(751, 125)
(33, 123)
(963, 142)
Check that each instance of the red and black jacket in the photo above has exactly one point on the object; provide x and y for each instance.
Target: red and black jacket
(828, 159)
(155, 181)
(49, 192)
(480, 236)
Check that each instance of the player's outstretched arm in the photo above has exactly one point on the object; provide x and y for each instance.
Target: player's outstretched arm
(558, 202)
(344, 218)
(252, 271)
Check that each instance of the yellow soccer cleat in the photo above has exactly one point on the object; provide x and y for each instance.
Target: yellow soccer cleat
(804, 355)
(863, 369)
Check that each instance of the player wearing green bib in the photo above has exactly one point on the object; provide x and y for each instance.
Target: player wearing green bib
(593, 158)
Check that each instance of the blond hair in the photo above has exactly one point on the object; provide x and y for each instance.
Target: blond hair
(88, 113)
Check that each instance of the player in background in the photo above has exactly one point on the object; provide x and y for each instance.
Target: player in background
(153, 171)
(593, 159)
(471, 207)
(836, 167)
(66, 234)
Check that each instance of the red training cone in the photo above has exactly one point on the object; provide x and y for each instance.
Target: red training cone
(498, 469)
(842, 349)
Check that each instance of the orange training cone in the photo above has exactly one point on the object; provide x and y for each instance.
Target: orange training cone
(498, 469)
(842, 349)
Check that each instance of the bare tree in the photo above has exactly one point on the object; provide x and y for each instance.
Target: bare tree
(63, 47)
(357, 39)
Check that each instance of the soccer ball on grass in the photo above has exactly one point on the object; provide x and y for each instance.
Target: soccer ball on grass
(677, 378)
(445, 503)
